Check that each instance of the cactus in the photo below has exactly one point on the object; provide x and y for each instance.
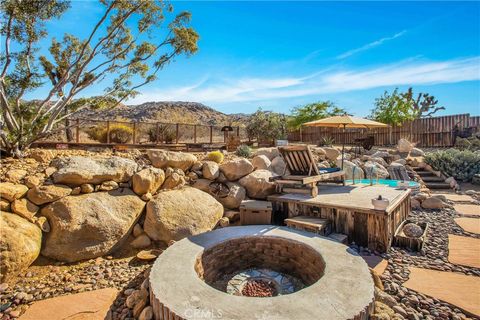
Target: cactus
(216, 156)
(244, 151)
(461, 164)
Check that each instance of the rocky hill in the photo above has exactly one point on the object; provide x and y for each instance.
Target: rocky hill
(166, 111)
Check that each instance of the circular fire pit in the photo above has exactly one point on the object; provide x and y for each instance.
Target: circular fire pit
(260, 272)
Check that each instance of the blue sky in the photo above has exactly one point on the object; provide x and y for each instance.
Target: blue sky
(278, 55)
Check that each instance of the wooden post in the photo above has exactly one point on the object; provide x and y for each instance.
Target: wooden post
(238, 131)
(176, 134)
(158, 133)
(77, 131)
(108, 131)
(301, 137)
(134, 132)
(194, 133)
(211, 134)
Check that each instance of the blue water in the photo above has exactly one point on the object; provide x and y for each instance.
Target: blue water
(390, 183)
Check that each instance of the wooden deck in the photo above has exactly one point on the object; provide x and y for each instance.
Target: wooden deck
(350, 211)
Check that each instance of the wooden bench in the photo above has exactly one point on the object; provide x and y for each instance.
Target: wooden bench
(312, 224)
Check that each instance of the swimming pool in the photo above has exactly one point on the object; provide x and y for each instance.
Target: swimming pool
(387, 182)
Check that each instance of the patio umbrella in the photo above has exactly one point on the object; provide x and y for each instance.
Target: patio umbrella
(345, 121)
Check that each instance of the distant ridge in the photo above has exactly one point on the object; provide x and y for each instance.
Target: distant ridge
(166, 111)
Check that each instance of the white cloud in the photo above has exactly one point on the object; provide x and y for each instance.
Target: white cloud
(409, 72)
(370, 45)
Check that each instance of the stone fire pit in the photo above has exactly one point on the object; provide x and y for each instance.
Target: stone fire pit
(315, 278)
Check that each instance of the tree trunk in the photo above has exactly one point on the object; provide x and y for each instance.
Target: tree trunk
(68, 129)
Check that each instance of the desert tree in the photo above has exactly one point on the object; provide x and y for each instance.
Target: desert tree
(313, 111)
(125, 49)
(398, 107)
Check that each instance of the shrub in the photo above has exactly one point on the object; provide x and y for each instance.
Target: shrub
(119, 133)
(327, 142)
(460, 164)
(216, 156)
(244, 151)
(166, 133)
(472, 143)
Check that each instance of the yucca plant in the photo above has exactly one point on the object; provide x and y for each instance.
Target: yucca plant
(244, 151)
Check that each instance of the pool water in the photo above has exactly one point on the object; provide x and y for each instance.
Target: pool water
(386, 182)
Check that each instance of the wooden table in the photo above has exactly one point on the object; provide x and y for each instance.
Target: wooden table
(350, 212)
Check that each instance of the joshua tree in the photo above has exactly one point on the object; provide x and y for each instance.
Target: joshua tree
(123, 49)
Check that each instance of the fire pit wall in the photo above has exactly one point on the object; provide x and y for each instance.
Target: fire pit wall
(282, 255)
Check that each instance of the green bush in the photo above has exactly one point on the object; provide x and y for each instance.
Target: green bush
(216, 156)
(244, 151)
(119, 133)
(472, 143)
(460, 164)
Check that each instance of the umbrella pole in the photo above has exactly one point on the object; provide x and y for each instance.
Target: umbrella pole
(343, 144)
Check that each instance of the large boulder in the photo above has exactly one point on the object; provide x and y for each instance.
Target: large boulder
(176, 214)
(404, 146)
(279, 166)
(258, 184)
(24, 208)
(351, 170)
(19, 244)
(178, 160)
(78, 170)
(90, 225)
(174, 181)
(210, 170)
(48, 193)
(202, 184)
(235, 196)
(433, 203)
(148, 180)
(261, 162)
(416, 152)
(374, 170)
(331, 153)
(10, 191)
(237, 168)
(270, 153)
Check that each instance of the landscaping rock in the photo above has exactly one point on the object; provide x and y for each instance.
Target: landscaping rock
(11, 191)
(375, 170)
(91, 225)
(173, 181)
(16, 175)
(148, 180)
(412, 230)
(41, 155)
(278, 166)
(379, 160)
(270, 153)
(416, 152)
(176, 214)
(261, 162)
(258, 185)
(87, 188)
(237, 168)
(4, 205)
(202, 184)
(350, 169)
(210, 170)
(108, 186)
(163, 159)
(48, 193)
(43, 224)
(24, 208)
(141, 242)
(32, 181)
(404, 146)
(433, 203)
(78, 170)
(20, 244)
(331, 153)
(235, 196)
(380, 154)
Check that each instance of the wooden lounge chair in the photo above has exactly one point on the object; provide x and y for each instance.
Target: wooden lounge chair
(304, 173)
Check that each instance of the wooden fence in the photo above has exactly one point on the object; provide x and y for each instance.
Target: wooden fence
(427, 132)
(88, 131)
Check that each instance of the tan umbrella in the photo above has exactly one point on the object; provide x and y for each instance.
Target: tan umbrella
(345, 121)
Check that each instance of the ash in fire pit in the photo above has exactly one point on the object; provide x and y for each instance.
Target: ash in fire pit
(259, 288)
(282, 283)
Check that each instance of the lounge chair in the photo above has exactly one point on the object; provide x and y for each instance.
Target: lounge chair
(303, 170)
